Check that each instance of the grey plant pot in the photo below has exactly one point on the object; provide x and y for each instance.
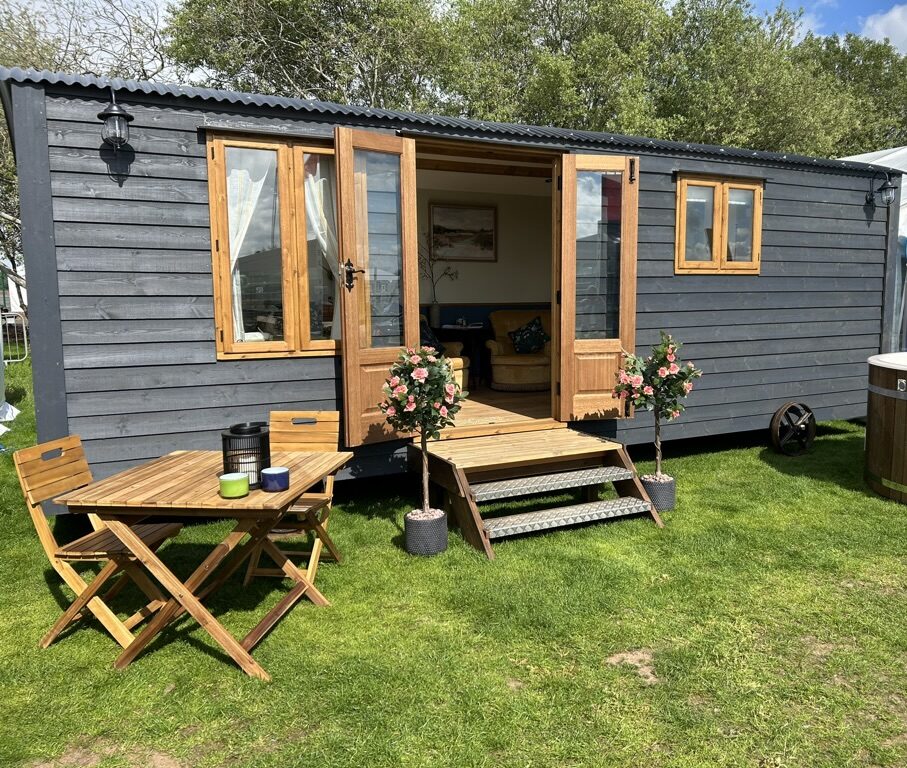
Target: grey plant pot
(425, 537)
(663, 495)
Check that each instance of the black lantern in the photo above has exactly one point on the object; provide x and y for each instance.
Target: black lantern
(885, 193)
(247, 449)
(116, 123)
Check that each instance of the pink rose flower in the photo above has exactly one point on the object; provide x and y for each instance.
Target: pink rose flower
(391, 411)
(662, 371)
(671, 357)
(444, 410)
(415, 359)
(675, 414)
(436, 405)
(432, 359)
(409, 407)
(411, 398)
(647, 390)
(636, 381)
(400, 389)
(420, 374)
(688, 386)
(623, 378)
(623, 394)
(450, 388)
(674, 368)
(393, 381)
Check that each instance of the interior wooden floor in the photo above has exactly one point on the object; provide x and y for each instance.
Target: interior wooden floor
(488, 412)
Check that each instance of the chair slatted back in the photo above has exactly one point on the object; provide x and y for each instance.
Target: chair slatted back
(305, 430)
(49, 470)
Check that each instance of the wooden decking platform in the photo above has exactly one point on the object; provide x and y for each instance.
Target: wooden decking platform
(487, 412)
(498, 452)
(467, 471)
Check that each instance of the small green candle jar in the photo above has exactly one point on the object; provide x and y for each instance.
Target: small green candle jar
(234, 485)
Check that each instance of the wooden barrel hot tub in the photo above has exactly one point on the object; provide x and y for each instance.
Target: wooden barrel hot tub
(886, 426)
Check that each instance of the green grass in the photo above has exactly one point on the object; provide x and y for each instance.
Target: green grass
(772, 605)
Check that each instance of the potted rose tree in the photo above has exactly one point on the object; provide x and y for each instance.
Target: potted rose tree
(658, 383)
(421, 396)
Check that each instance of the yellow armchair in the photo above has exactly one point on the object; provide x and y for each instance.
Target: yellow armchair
(512, 371)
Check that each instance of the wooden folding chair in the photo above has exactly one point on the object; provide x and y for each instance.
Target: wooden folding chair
(57, 467)
(303, 431)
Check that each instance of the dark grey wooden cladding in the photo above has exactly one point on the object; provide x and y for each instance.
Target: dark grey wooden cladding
(136, 305)
(136, 296)
(802, 329)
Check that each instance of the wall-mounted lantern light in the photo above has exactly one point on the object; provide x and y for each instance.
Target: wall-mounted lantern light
(116, 123)
(885, 193)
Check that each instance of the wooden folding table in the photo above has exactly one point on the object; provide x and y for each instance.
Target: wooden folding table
(185, 484)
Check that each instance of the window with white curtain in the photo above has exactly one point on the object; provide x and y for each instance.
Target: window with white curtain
(275, 247)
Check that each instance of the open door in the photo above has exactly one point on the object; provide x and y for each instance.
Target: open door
(379, 270)
(597, 282)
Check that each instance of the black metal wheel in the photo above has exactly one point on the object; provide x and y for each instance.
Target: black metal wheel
(793, 429)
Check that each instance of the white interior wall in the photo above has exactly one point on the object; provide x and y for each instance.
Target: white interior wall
(522, 272)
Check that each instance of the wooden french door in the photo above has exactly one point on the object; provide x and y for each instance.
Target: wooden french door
(597, 282)
(379, 270)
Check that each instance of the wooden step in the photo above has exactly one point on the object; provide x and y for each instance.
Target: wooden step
(556, 481)
(559, 517)
(495, 452)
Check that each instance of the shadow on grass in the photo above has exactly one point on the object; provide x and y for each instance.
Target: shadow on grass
(379, 498)
(15, 394)
(836, 457)
(182, 559)
(714, 443)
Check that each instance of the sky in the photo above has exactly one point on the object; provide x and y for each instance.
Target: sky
(877, 19)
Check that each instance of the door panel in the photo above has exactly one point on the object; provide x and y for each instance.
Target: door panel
(380, 301)
(599, 200)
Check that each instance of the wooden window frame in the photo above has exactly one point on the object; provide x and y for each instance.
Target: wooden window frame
(721, 187)
(297, 341)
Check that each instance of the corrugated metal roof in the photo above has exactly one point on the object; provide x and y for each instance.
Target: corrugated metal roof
(435, 124)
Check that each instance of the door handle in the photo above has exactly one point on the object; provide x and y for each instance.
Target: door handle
(350, 272)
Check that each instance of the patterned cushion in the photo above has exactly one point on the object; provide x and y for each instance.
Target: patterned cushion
(427, 337)
(529, 338)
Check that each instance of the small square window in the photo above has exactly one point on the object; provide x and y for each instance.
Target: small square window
(719, 226)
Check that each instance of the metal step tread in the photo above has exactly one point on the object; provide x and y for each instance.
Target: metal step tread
(556, 481)
(558, 517)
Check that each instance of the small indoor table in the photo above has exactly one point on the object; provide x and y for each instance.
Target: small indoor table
(185, 484)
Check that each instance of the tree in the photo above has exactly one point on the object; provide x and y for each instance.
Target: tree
(657, 383)
(728, 76)
(376, 52)
(571, 63)
(421, 397)
(875, 74)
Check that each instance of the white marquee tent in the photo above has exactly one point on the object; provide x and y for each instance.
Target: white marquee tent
(896, 158)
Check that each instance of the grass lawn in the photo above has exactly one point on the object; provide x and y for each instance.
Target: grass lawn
(764, 626)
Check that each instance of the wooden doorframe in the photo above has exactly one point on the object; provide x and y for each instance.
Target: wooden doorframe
(362, 365)
(569, 347)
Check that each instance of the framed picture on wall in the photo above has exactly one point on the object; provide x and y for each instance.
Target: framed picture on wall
(463, 232)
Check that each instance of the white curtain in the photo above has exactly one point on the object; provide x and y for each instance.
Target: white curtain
(244, 187)
(321, 226)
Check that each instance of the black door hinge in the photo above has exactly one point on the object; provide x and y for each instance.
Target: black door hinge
(632, 170)
(557, 297)
(557, 387)
(560, 183)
